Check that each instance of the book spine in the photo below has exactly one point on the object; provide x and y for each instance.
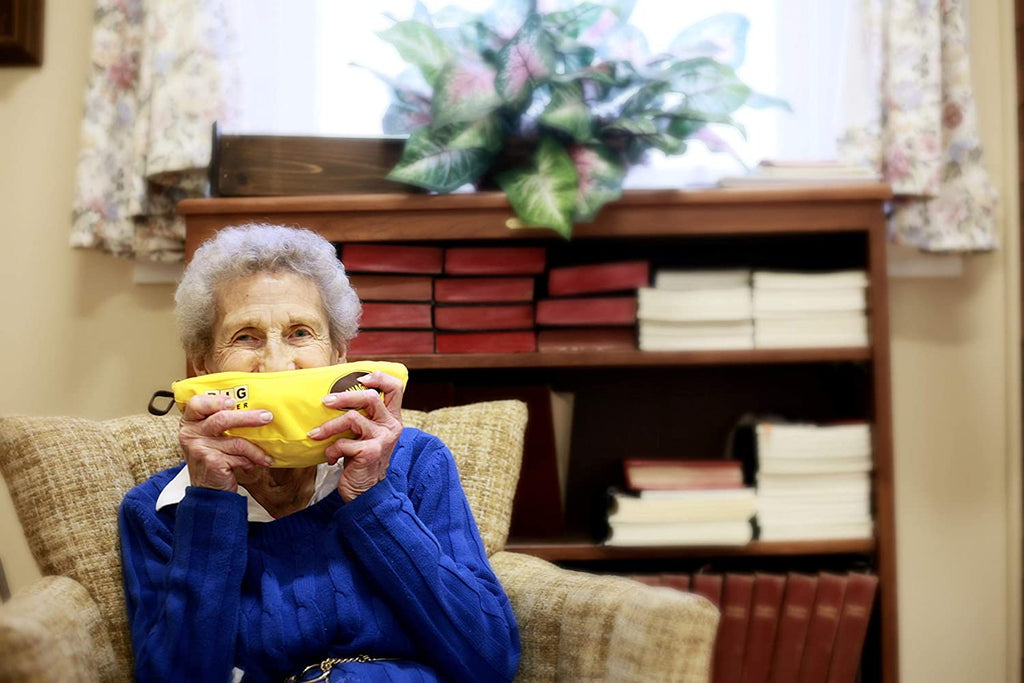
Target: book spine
(483, 317)
(486, 342)
(577, 339)
(620, 310)
(392, 287)
(373, 343)
(494, 260)
(794, 619)
(821, 633)
(389, 316)
(708, 585)
(468, 290)
(680, 582)
(732, 630)
(765, 605)
(392, 258)
(603, 277)
(853, 628)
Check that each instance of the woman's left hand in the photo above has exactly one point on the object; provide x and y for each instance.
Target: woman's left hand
(368, 453)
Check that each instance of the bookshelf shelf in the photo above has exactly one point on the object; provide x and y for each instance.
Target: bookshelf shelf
(584, 551)
(658, 404)
(626, 359)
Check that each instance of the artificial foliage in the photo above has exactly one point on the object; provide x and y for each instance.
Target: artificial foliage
(554, 101)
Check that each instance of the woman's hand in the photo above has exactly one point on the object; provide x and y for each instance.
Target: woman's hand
(368, 453)
(212, 457)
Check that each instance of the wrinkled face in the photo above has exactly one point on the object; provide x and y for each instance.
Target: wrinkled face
(268, 322)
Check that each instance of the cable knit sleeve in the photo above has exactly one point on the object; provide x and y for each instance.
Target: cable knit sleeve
(183, 584)
(421, 548)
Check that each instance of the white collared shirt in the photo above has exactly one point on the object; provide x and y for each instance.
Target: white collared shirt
(327, 477)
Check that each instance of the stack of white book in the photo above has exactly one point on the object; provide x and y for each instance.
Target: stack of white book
(800, 310)
(690, 310)
(813, 481)
(773, 173)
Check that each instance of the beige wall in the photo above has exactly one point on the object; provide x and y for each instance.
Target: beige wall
(80, 338)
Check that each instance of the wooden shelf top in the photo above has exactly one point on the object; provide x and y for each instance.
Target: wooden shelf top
(415, 201)
(586, 551)
(624, 359)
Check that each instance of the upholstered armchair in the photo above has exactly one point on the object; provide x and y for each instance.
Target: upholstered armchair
(68, 475)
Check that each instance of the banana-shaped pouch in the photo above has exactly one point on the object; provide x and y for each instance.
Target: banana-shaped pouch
(293, 396)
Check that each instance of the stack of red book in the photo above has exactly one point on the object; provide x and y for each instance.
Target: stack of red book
(591, 307)
(395, 284)
(485, 300)
(793, 628)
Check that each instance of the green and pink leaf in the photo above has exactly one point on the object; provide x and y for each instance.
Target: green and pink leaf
(523, 62)
(465, 92)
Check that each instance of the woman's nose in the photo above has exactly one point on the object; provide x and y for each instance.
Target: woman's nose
(277, 356)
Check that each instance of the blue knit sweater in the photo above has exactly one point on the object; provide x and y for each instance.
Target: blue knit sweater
(398, 572)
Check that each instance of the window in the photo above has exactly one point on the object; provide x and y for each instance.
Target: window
(298, 73)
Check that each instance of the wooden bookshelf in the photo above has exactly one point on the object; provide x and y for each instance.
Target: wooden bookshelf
(630, 402)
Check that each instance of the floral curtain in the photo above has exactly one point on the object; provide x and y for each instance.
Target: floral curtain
(162, 73)
(911, 114)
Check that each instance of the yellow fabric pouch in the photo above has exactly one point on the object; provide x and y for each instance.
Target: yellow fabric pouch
(293, 396)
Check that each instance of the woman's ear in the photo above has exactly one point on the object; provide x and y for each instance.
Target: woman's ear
(198, 366)
(340, 353)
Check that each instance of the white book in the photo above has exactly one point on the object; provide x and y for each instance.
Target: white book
(717, 328)
(815, 465)
(802, 280)
(732, 343)
(693, 506)
(702, 279)
(780, 322)
(774, 301)
(680, 534)
(693, 305)
(804, 531)
(818, 341)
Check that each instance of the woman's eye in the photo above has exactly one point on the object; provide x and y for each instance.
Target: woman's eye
(244, 339)
(301, 332)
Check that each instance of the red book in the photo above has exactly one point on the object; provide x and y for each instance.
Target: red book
(765, 605)
(643, 474)
(587, 339)
(374, 343)
(406, 316)
(392, 258)
(794, 619)
(392, 287)
(681, 582)
(471, 290)
(732, 629)
(708, 585)
(482, 317)
(486, 342)
(821, 634)
(647, 579)
(601, 277)
(494, 260)
(619, 310)
(853, 627)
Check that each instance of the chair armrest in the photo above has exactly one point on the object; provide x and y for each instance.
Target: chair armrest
(52, 630)
(579, 626)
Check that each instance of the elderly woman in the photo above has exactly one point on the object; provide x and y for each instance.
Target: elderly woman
(369, 567)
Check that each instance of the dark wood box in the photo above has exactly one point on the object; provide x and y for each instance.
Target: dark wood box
(288, 165)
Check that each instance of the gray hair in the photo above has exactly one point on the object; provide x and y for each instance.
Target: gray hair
(244, 250)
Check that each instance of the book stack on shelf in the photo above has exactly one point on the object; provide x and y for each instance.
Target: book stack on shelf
(395, 284)
(484, 303)
(793, 628)
(813, 481)
(800, 309)
(591, 307)
(680, 503)
(691, 310)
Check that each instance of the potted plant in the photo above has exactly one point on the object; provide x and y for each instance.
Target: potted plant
(554, 104)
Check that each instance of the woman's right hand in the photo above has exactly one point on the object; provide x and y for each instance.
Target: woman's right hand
(212, 457)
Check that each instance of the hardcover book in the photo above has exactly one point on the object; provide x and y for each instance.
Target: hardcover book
(469, 290)
(620, 310)
(391, 258)
(601, 277)
(765, 605)
(392, 287)
(398, 316)
(586, 339)
(853, 627)
(708, 585)
(494, 260)
(381, 343)
(732, 629)
(524, 341)
(484, 317)
(644, 474)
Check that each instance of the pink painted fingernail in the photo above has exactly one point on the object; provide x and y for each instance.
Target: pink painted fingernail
(266, 416)
(330, 399)
(313, 433)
